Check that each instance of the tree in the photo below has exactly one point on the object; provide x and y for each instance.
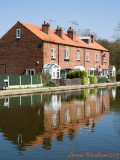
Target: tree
(86, 32)
(116, 35)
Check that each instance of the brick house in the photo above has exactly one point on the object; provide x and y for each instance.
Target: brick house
(30, 49)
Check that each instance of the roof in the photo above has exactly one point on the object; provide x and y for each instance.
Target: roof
(102, 66)
(52, 37)
(111, 67)
(51, 65)
(78, 68)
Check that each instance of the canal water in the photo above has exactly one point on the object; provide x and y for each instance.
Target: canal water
(81, 124)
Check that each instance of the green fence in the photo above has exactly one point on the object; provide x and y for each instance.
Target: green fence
(36, 79)
(14, 80)
(102, 80)
(2, 77)
(25, 80)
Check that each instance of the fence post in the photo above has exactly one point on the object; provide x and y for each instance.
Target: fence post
(8, 81)
(31, 80)
(41, 79)
(20, 81)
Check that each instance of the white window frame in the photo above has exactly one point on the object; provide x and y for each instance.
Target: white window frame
(30, 72)
(96, 58)
(88, 57)
(78, 55)
(18, 33)
(66, 53)
(104, 59)
(53, 53)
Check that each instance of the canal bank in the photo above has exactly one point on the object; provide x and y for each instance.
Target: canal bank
(55, 89)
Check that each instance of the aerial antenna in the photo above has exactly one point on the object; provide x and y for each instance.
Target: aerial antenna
(51, 21)
(74, 23)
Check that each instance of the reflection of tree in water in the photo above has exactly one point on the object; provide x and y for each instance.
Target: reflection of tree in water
(21, 125)
(47, 143)
(60, 136)
(71, 134)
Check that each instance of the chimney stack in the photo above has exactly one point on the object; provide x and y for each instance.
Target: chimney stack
(71, 33)
(59, 32)
(92, 38)
(46, 28)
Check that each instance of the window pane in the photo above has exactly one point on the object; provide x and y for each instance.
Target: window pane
(32, 72)
(78, 55)
(18, 33)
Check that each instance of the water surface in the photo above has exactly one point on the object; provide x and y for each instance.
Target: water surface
(69, 125)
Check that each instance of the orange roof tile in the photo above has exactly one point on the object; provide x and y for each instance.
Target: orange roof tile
(102, 66)
(37, 30)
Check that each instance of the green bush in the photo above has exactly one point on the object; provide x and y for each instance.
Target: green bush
(91, 72)
(50, 84)
(113, 79)
(69, 75)
(84, 80)
(77, 74)
(118, 72)
(93, 79)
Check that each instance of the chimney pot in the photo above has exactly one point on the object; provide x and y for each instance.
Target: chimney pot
(59, 31)
(71, 33)
(92, 38)
(46, 28)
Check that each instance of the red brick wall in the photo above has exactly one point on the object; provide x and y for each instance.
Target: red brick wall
(73, 56)
(20, 54)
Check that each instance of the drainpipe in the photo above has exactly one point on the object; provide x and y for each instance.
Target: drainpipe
(84, 57)
(58, 54)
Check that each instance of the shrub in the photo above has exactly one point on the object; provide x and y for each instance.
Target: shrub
(118, 72)
(93, 79)
(77, 74)
(113, 79)
(50, 84)
(84, 80)
(91, 72)
(69, 75)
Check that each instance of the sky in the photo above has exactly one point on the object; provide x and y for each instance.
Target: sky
(99, 16)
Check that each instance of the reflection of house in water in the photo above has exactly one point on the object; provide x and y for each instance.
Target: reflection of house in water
(40, 118)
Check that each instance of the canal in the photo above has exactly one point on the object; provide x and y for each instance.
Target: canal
(81, 124)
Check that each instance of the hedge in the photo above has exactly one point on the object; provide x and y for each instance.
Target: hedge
(93, 79)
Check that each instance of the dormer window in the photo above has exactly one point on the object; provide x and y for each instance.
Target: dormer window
(86, 39)
(18, 34)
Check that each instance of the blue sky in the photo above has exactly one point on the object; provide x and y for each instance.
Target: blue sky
(100, 16)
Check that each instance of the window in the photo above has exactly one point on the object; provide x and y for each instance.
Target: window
(87, 57)
(30, 72)
(52, 53)
(18, 34)
(66, 54)
(78, 55)
(96, 57)
(104, 58)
